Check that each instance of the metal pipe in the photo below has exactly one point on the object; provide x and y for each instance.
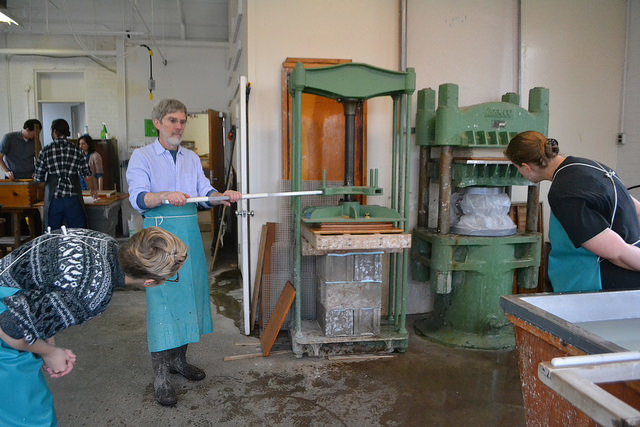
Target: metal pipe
(405, 252)
(296, 211)
(57, 52)
(204, 199)
(423, 187)
(149, 32)
(519, 49)
(403, 35)
(625, 70)
(533, 204)
(350, 106)
(393, 258)
(180, 43)
(183, 29)
(444, 220)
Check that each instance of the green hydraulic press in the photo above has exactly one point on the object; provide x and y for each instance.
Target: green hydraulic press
(469, 273)
(352, 84)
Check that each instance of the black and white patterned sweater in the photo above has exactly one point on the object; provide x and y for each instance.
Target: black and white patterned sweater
(65, 280)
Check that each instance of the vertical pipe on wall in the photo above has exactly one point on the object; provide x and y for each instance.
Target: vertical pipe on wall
(9, 102)
(403, 35)
(623, 88)
(519, 49)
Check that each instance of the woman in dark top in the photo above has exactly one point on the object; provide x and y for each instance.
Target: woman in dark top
(593, 227)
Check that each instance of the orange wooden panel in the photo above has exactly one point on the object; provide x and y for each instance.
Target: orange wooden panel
(323, 129)
(277, 318)
(260, 268)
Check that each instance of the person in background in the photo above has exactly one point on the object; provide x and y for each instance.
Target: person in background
(38, 299)
(178, 314)
(17, 151)
(88, 146)
(61, 165)
(593, 227)
(17, 161)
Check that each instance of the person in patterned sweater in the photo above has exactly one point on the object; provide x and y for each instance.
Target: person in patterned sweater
(57, 280)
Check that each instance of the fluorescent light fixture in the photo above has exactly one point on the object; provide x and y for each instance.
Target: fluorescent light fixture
(6, 18)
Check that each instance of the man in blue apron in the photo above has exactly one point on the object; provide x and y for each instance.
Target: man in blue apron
(593, 227)
(176, 315)
(55, 281)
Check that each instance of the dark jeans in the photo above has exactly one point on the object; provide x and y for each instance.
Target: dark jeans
(68, 211)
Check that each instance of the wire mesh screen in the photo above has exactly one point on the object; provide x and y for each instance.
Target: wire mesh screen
(272, 284)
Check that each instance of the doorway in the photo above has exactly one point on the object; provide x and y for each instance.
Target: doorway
(72, 112)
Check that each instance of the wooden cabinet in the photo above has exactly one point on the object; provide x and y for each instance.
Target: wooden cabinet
(108, 149)
(21, 193)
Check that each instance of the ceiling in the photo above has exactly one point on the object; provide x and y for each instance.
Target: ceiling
(186, 20)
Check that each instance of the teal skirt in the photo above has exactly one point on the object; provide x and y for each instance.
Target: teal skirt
(25, 398)
(178, 313)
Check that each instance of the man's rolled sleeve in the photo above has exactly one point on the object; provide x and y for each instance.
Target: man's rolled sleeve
(138, 179)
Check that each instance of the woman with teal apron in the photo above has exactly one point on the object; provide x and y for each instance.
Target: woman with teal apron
(593, 227)
(24, 389)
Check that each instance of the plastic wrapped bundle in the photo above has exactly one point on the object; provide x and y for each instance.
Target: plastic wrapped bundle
(484, 212)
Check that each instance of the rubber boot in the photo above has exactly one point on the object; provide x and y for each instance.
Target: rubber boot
(164, 392)
(180, 366)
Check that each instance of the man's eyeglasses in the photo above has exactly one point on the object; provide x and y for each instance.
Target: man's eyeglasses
(175, 121)
(174, 280)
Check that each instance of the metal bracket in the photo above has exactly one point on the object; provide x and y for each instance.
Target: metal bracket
(245, 213)
(575, 379)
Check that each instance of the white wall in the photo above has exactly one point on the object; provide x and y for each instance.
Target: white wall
(576, 49)
(194, 75)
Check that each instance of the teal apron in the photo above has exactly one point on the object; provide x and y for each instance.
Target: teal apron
(25, 399)
(178, 313)
(571, 269)
(574, 269)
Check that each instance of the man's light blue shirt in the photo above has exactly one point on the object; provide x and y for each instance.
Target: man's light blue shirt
(152, 169)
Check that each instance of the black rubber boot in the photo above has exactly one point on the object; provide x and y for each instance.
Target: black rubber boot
(164, 392)
(180, 366)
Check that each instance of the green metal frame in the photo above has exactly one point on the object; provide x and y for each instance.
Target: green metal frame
(360, 82)
(488, 125)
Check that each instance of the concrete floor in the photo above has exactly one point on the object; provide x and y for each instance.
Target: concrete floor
(428, 385)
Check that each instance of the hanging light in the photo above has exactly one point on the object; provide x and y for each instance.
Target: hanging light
(7, 19)
(152, 83)
(4, 16)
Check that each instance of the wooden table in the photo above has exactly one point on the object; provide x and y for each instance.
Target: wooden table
(17, 213)
(18, 199)
(102, 213)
